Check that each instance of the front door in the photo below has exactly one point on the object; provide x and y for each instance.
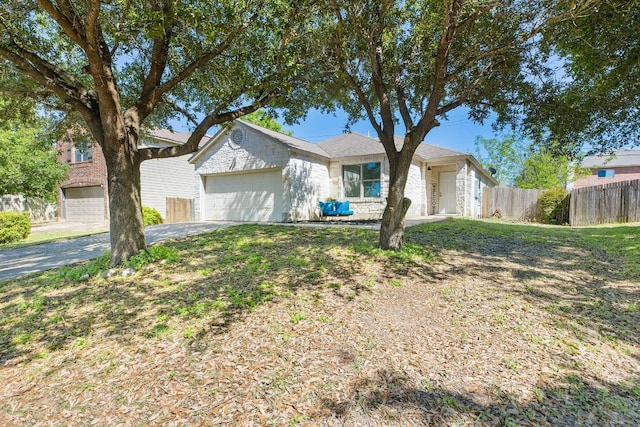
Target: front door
(447, 198)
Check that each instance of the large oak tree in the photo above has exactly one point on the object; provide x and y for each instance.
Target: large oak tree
(121, 65)
(412, 62)
(596, 105)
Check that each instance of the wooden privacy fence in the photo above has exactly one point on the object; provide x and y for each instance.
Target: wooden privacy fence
(615, 202)
(514, 203)
(178, 210)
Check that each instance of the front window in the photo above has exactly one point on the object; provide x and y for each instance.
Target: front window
(361, 180)
(81, 154)
(606, 173)
(80, 149)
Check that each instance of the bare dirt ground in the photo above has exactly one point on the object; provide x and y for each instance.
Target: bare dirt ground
(500, 334)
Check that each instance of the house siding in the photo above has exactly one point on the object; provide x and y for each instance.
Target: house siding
(162, 178)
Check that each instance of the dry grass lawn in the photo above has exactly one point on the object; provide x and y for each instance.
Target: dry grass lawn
(472, 323)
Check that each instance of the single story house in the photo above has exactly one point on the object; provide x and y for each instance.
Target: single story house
(83, 196)
(623, 165)
(248, 173)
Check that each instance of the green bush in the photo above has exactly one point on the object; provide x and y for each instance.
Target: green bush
(151, 216)
(554, 206)
(14, 226)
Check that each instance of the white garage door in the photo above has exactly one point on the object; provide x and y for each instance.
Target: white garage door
(255, 196)
(84, 204)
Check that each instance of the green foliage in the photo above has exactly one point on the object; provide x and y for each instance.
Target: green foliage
(505, 155)
(266, 120)
(28, 159)
(151, 216)
(152, 254)
(597, 103)
(554, 206)
(14, 226)
(544, 170)
(84, 271)
(522, 165)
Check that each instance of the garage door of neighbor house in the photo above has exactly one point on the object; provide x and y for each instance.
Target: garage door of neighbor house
(447, 193)
(255, 196)
(84, 204)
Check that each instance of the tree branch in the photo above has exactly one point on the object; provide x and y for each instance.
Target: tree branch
(147, 102)
(50, 76)
(66, 16)
(119, 26)
(428, 120)
(338, 41)
(192, 144)
(176, 107)
(377, 73)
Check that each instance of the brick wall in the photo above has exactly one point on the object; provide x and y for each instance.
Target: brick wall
(83, 174)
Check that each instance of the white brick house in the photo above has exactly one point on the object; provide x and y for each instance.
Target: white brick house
(250, 173)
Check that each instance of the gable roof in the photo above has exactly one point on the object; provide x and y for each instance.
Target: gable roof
(355, 144)
(621, 158)
(279, 138)
(289, 141)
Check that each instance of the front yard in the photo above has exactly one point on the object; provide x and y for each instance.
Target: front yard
(472, 323)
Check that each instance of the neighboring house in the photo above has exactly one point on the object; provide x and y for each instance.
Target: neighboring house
(623, 165)
(84, 195)
(250, 173)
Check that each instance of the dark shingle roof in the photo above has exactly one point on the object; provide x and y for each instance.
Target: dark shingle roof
(289, 141)
(355, 144)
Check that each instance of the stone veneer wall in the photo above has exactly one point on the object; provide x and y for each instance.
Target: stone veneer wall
(461, 187)
(306, 182)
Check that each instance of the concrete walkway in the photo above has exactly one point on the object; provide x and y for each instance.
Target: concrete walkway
(45, 256)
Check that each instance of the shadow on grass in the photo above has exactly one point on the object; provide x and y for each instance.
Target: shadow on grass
(224, 274)
(570, 401)
(220, 277)
(589, 278)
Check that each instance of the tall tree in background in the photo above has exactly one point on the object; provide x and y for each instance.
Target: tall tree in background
(418, 60)
(266, 120)
(596, 107)
(521, 164)
(28, 158)
(121, 65)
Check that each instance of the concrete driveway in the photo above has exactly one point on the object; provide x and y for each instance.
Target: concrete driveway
(31, 259)
(21, 261)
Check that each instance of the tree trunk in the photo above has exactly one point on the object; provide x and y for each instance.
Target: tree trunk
(392, 226)
(125, 203)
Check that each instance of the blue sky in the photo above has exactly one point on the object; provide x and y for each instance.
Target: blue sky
(457, 133)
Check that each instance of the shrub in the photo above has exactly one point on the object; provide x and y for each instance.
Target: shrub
(554, 206)
(151, 216)
(14, 226)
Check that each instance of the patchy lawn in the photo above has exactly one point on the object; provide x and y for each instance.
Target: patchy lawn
(473, 323)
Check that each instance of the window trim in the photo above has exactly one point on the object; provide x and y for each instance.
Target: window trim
(362, 181)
